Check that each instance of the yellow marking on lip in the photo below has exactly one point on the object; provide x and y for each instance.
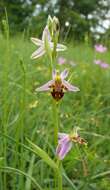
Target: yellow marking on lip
(57, 78)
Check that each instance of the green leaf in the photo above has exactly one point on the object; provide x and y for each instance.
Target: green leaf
(69, 181)
(30, 171)
(101, 175)
(37, 150)
(10, 169)
(1, 160)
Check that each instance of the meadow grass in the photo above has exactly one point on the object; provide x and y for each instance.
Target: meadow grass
(27, 114)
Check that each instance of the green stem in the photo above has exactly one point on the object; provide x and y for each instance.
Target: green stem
(60, 175)
(56, 121)
(5, 94)
(23, 107)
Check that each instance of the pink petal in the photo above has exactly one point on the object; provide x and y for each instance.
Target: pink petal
(64, 74)
(61, 135)
(46, 86)
(61, 60)
(101, 63)
(37, 41)
(70, 87)
(46, 34)
(100, 48)
(65, 138)
(104, 65)
(97, 62)
(64, 145)
(38, 53)
(63, 149)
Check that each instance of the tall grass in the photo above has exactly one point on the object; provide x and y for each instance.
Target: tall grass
(24, 113)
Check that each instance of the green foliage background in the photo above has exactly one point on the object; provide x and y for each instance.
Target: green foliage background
(29, 15)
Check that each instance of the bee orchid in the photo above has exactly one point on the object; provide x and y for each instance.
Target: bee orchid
(58, 85)
(65, 143)
(42, 44)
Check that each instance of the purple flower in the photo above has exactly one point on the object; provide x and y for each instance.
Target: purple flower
(100, 48)
(61, 60)
(65, 143)
(58, 85)
(102, 64)
(46, 38)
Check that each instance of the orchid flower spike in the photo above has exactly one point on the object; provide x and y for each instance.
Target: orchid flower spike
(58, 85)
(65, 143)
(44, 43)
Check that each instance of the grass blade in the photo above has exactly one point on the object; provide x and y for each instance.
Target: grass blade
(101, 175)
(37, 150)
(10, 169)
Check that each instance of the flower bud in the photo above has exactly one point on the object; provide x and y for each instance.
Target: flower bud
(56, 24)
(50, 24)
(55, 34)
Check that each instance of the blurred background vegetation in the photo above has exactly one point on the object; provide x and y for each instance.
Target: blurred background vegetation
(78, 18)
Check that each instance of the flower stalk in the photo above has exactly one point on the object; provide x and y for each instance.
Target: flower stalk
(56, 121)
(57, 86)
(60, 182)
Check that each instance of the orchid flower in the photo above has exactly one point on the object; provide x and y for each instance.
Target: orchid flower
(65, 143)
(58, 85)
(46, 38)
(100, 48)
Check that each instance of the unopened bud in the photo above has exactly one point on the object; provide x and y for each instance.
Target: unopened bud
(56, 24)
(50, 24)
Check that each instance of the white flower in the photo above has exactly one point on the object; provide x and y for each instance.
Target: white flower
(46, 38)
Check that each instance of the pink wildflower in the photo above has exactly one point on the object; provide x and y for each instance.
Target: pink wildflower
(97, 62)
(101, 63)
(100, 48)
(104, 65)
(61, 60)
